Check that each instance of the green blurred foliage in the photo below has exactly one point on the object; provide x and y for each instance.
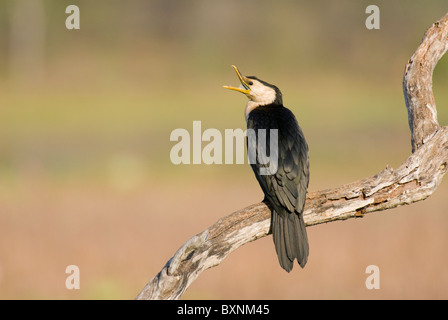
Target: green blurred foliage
(137, 70)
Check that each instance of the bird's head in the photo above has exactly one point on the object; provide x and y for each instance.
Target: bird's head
(259, 92)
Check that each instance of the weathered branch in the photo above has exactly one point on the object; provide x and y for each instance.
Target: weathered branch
(416, 179)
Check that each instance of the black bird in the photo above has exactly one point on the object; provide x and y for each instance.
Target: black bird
(284, 187)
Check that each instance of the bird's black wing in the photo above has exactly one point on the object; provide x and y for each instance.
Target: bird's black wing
(286, 187)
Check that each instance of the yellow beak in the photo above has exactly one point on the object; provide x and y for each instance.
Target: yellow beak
(244, 88)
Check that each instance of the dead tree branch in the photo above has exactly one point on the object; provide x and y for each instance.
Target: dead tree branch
(416, 179)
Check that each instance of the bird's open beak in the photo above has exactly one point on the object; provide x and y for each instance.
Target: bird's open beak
(244, 88)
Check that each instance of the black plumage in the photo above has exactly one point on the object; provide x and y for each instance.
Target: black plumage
(286, 189)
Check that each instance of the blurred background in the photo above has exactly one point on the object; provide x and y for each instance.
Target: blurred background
(85, 123)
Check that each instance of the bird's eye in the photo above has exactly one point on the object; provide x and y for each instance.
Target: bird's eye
(250, 83)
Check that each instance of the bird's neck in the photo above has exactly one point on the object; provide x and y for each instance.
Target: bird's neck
(251, 105)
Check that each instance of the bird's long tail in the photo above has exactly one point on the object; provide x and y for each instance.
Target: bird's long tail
(290, 239)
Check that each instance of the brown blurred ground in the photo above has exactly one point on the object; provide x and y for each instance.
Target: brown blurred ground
(85, 174)
(120, 240)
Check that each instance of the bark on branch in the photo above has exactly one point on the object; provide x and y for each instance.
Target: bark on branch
(416, 179)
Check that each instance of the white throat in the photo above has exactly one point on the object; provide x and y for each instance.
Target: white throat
(259, 95)
(251, 105)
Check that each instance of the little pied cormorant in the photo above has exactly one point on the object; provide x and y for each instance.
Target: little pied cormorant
(285, 189)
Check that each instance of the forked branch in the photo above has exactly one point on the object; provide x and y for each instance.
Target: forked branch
(416, 179)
